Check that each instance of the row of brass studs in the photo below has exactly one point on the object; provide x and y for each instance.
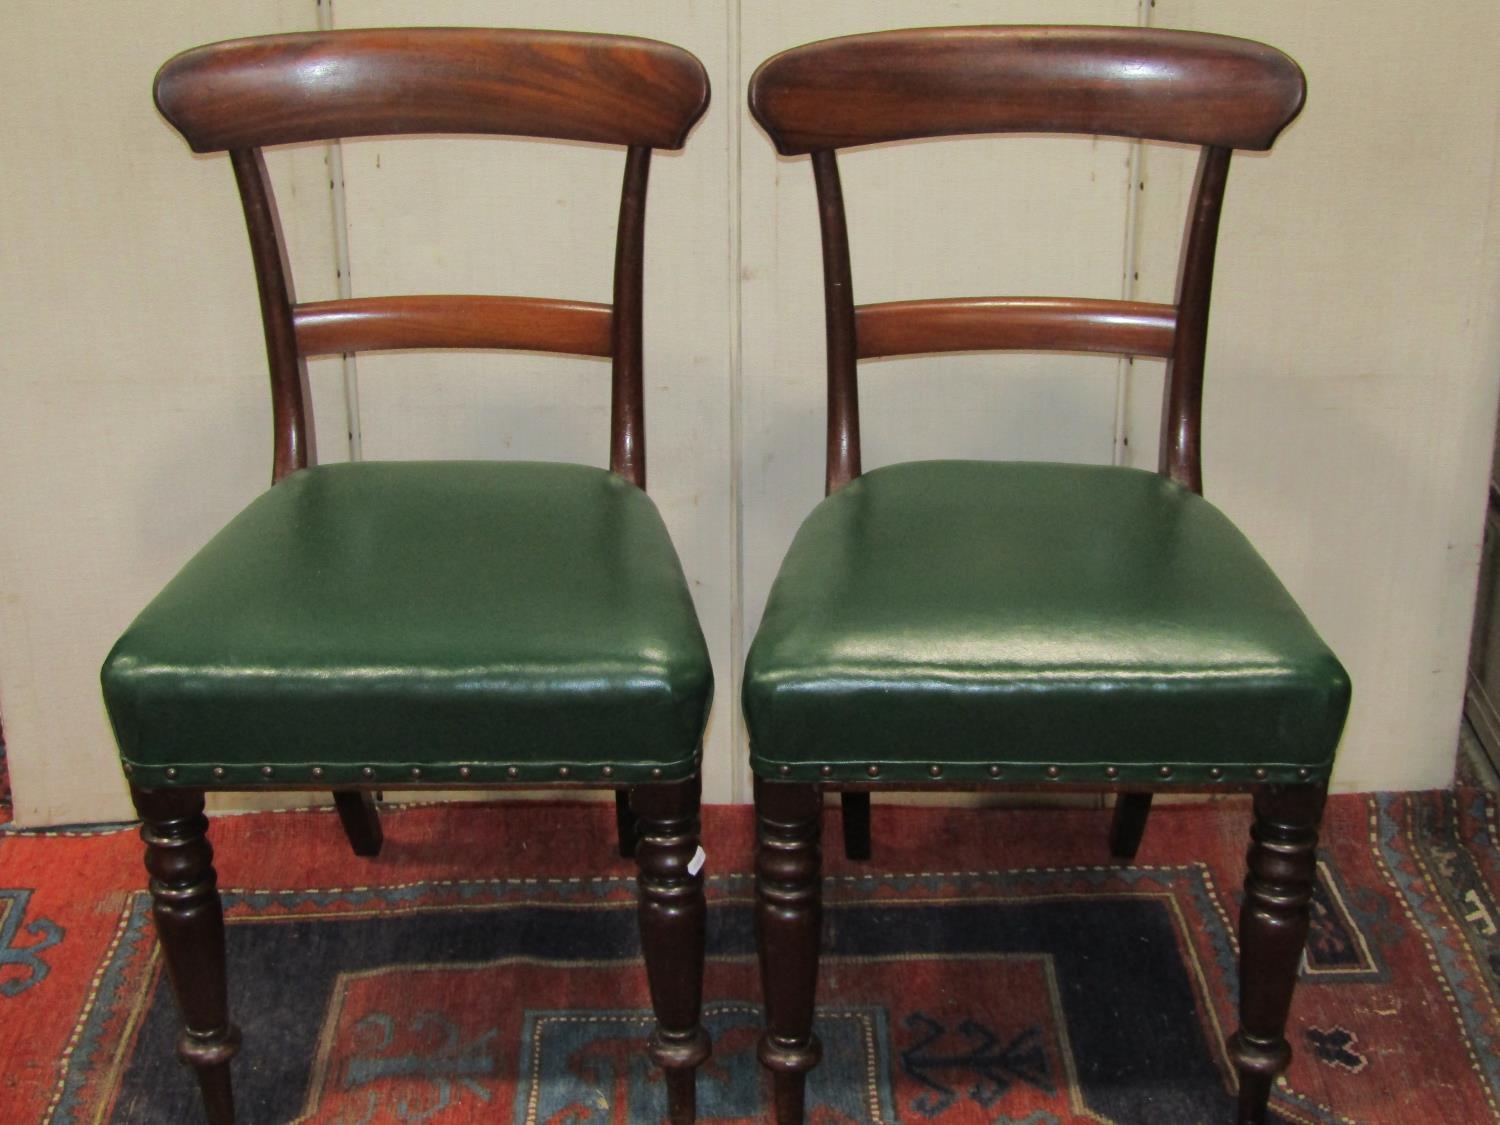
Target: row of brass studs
(564, 773)
(1215, 773)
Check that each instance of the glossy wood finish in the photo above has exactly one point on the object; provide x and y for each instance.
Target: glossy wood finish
(318, 86)
(248, 94)
(1274, 921)
(1210, 91)
(838, 315)
(788, 927)
(627, 411)
(189, 922)
(362, 324)
(291, 430)
(1181, 456)
(968, 324)
(1114, 81)
(673, 917)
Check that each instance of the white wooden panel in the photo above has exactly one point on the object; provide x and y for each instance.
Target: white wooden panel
(977, 216)
(1355, 349)
(133, 388)
(475, 215)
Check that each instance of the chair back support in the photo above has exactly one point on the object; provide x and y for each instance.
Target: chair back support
(1208, 90)
(247, 94)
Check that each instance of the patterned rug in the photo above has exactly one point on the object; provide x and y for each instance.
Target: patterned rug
(988, 967)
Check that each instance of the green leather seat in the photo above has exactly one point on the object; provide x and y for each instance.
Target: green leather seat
(448, 621)
(970, 621)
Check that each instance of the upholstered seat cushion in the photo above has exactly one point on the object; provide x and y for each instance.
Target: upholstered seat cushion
(448, 621)
(971, 620)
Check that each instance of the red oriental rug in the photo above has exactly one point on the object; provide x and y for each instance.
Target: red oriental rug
(989, 966)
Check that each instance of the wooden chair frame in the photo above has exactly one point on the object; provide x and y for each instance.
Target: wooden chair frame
(1211, 91)
(244, 95)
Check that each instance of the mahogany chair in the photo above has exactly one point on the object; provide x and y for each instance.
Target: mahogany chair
(978, 624)
(421, 625)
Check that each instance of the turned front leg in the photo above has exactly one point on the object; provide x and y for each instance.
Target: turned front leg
(788, 927)
(673, 919)
(1273, 931)
(190, 925)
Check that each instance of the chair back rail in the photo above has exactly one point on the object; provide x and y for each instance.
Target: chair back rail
(363, 324)
(1146, 83)
(1213, 91)
(323, 85)
(247, 94)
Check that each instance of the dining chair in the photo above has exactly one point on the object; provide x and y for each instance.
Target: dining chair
(427, 625)
(944, 624)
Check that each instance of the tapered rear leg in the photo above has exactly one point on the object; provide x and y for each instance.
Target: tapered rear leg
(190, 926)
(788, 926)
(1273, 931)
(625, 825)
(856, 808)
(1129, 824)
(361, 820)
(673, 923)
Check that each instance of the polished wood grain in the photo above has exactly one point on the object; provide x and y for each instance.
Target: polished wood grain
(315, 86)
(627, 410)
(362, 324)
(291, 427)
(189, 919)
(1058, 324)
(1114, 81)
(1181, 453)
(842, 455)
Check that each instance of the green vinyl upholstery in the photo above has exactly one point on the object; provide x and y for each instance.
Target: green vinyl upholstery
(444, 622)
(968, 621)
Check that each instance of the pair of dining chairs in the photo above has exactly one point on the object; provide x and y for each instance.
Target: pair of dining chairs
(410, 625)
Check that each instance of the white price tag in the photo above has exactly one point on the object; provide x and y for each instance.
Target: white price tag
(700, 857)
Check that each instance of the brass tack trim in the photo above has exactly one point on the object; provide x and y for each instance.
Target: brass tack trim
(1304, 773)
(127, 767)
(994, 771)
(1054, 772)
(872, 770)
(464, 771)
(512, 771)
(656, 772)
(1111, 771)
(1165, 771)
(1262, 773)
(563, 771)
(1215, 772)
(171, 773)
(416, 773)
(608, 771)
(317, 772)
(936, 771)
(826, 771)
(785, 771)
(368, 771)
(219, 771)
(267, 771)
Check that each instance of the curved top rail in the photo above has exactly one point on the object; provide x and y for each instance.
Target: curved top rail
(1115, 81)
(313, 86)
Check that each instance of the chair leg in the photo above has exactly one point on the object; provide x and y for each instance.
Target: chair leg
(673, 921)
(1273, 930)
(626, 827)
(190, 926)
(788, 927)
(361, 820)
(1129, 824)
(856, 825)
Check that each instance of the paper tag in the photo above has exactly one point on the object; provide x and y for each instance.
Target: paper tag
(700, 857)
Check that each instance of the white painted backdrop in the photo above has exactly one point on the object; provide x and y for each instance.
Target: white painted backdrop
(1353, 369)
